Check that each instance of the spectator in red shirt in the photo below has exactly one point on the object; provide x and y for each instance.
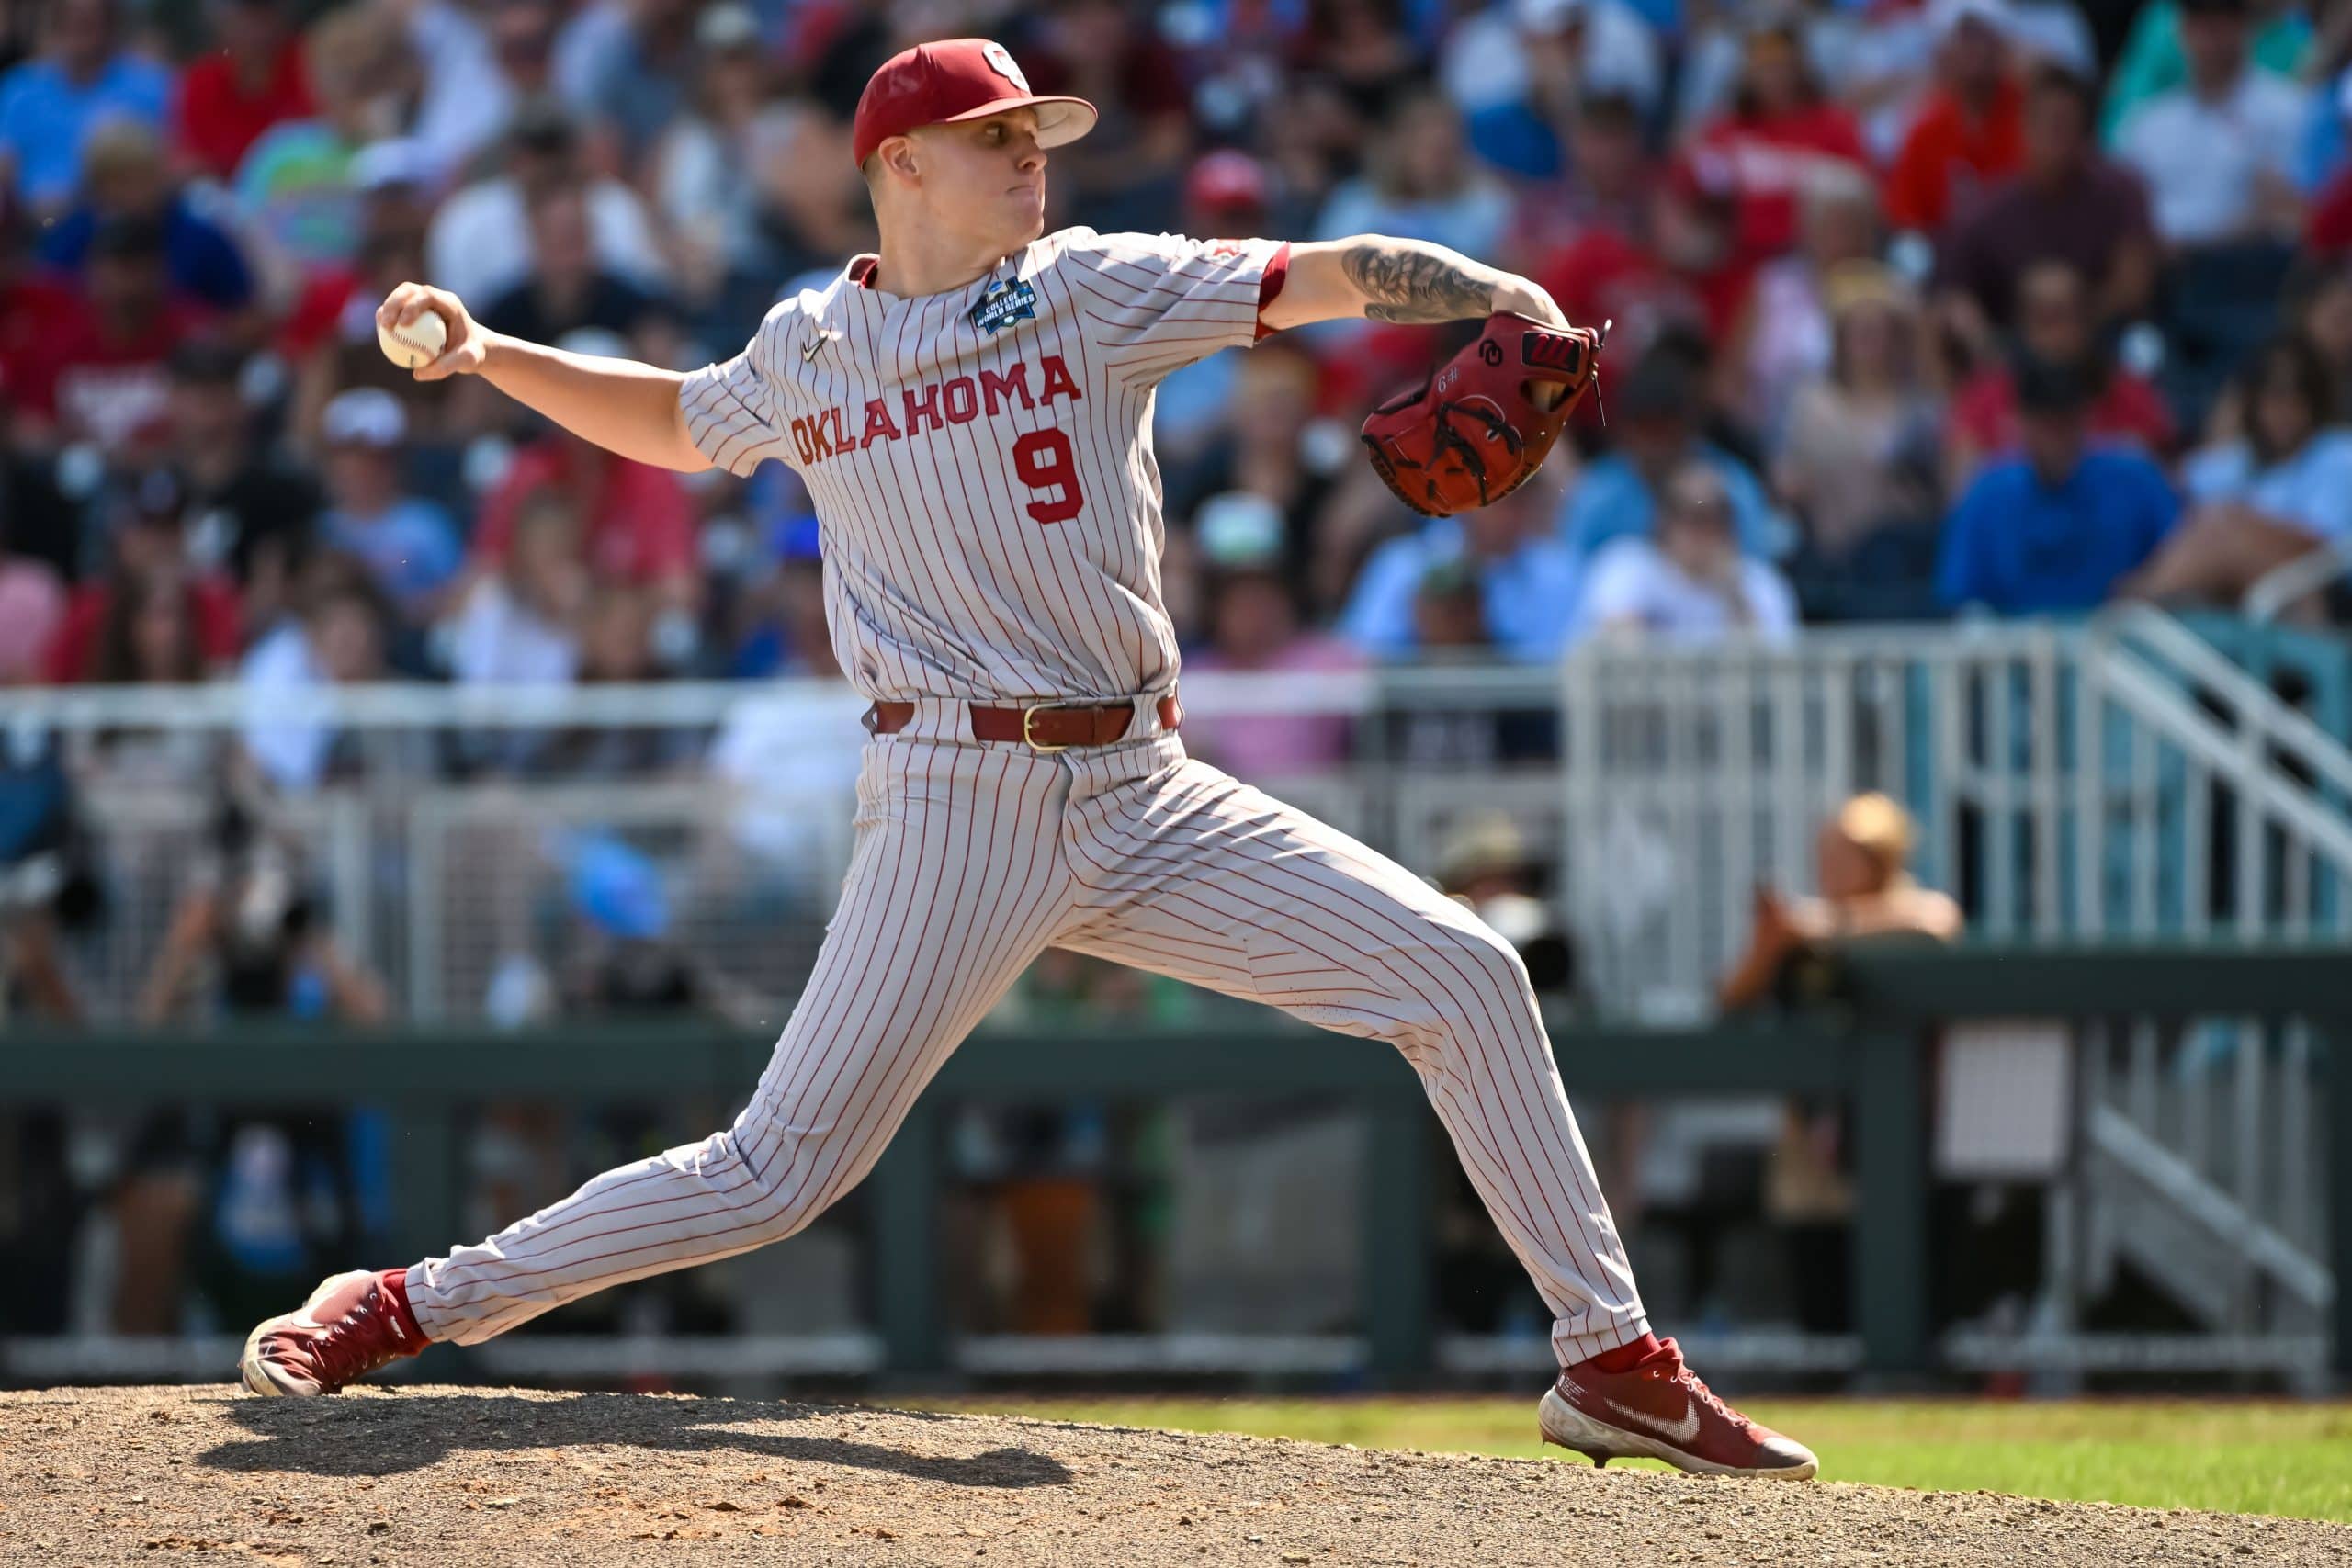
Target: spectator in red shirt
(148, 636)
(147, 555)
(36, 309)
(1607, 274)
(1594, 239)
(1781, 129)
(639, 520)
(106, 379)
(640, 523)
(2055, 325)
(252, 79)
(1969, 133)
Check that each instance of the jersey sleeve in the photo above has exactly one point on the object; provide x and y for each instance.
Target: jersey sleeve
(1157, 302)
(733, 415)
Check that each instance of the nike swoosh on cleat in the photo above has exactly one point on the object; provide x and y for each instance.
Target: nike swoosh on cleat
(1682, 1433)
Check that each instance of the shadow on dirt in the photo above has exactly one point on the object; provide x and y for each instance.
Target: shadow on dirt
(392, 1436)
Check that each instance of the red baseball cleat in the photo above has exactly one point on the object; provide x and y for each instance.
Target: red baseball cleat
(351, 1325)
(1659, 1409)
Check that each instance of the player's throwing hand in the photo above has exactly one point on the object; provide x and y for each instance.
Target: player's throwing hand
(466, 345)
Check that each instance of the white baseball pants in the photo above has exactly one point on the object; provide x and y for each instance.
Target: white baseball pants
(971, 859)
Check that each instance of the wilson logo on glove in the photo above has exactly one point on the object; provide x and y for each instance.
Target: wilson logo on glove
(1470, 433)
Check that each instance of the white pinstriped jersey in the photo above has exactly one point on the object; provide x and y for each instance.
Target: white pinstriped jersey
(980, 459)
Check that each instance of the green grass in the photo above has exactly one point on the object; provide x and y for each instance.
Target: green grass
(2234, 1456)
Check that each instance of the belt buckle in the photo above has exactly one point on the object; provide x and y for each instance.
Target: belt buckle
(1028, 716)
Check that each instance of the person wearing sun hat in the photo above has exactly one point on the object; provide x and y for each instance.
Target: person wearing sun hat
(1862, 444)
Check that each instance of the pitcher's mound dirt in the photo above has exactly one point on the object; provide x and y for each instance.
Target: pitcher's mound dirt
(460, 1478)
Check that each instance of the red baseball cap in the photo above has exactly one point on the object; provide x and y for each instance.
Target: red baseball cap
(956, 79)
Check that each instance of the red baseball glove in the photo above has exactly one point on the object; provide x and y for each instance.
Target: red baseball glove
(1482, 425)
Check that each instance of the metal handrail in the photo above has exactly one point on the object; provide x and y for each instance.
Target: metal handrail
(2221, 1215)
(2254, 703)
(2160, 707)
(2284, 585)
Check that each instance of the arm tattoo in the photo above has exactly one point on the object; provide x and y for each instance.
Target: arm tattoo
(1407, 282)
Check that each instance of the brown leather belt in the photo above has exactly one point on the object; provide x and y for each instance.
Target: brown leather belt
(1042, 727)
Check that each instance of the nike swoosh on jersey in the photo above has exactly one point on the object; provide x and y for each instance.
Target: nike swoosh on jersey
(1681, 1433)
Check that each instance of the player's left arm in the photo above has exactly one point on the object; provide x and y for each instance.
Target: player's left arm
(1376, 277)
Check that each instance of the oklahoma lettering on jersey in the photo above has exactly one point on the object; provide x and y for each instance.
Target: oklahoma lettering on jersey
(981, 460)
(816, 439)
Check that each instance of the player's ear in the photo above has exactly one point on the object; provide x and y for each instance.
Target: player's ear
(899, 155)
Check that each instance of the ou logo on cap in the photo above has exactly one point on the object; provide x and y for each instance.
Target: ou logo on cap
(1000, 62)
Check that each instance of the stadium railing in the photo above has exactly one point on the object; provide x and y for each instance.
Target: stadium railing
(2129, 778)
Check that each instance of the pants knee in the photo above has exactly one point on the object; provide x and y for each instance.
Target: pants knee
(1492, 962)
(1466, 984)
(780, 1180)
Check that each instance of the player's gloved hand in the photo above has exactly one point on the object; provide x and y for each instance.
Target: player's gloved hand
(1482, 425)
(467, 344)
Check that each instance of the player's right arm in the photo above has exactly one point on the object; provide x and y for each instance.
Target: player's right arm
(619, 404)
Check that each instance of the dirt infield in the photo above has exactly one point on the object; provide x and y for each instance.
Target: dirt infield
(432, 1476)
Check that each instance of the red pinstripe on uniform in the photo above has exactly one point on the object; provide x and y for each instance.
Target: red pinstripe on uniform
(972, 858)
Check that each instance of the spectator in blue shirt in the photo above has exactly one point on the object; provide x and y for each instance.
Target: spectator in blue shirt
(2279, 491)
(409, 546)
(2057, 528)
(1616, 497)
(1522, 580)
(126, 173)
(81, 79)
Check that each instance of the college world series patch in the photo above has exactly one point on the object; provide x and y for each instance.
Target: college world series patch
(1003, 302)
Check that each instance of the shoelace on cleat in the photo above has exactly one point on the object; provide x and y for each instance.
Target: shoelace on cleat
(1672, 1368)
(1699, 1389)
(341, 1352)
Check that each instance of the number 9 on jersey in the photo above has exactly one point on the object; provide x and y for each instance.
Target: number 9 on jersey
(1045, 462)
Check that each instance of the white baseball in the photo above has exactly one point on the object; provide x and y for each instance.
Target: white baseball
(418, 343)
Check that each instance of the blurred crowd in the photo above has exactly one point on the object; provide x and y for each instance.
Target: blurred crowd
(2010, 304)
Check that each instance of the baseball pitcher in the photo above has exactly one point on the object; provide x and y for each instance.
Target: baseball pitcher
(971, 411)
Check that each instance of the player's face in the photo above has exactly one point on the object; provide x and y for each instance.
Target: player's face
(987, 177)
